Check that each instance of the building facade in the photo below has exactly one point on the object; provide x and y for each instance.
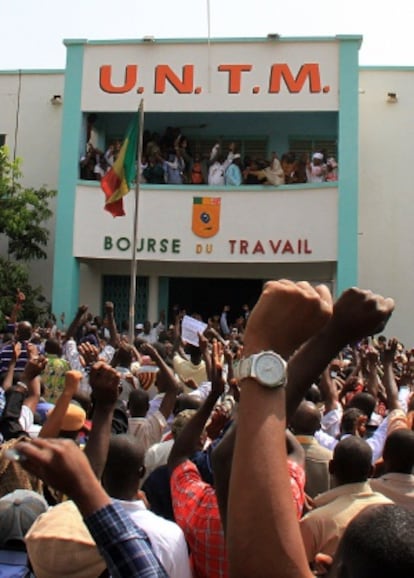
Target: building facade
(265, 94)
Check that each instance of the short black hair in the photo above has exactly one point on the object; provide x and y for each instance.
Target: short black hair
(378, 543)
(398, 451)
(138, 403)
(349, 420)
(351, 461)
(363, 401)
(124, 466)
(306, 420)
(53, 347)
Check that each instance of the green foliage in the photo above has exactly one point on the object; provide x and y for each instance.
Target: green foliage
(23, 212)
(14, 276)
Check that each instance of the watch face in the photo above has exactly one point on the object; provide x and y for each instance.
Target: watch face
(269, 369)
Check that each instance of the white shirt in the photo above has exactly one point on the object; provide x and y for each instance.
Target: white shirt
(202, 391)
(331, 421)
(71, 354)
(148, 429)
(157, 455)
(26, 421)
(152, 336)
(376, 442)
(216, 174)
(167, 539)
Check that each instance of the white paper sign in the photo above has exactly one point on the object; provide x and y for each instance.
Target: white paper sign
(190, 328)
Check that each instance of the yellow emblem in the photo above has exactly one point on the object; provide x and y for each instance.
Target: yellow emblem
(206, 216)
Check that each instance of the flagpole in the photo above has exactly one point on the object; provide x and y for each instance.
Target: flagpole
(133, 281)
(208, 47)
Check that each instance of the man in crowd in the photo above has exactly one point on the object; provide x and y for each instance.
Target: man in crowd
(350, 467)
(294, 323)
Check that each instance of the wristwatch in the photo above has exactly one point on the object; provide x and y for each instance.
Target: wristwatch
(267, 368)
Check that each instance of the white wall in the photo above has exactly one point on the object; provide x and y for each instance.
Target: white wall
(25, 105)
(304, 218)
(386, 240)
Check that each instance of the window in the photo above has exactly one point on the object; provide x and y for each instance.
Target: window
(309, 145)
(254, 147)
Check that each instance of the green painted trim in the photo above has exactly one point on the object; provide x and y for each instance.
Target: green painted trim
(223, 188)
(347, 267)
(388, 68)
(163, 295)
(34, 71)
(235, 40)
(350, 38)
(74, 41)
(65, 292)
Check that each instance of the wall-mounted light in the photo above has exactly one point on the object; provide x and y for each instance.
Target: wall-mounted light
(56, 99)
(392, 97)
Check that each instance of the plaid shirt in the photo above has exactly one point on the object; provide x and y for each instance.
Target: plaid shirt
(297, 484)
(125, 548)
(196, 512)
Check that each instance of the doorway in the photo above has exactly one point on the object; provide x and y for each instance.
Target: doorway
(207, 296)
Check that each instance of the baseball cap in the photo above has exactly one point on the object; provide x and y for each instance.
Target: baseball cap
(18, 511)
(59, 544)
(74, 418)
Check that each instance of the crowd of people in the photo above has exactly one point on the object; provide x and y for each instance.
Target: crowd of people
(168, 159)
(280, 444)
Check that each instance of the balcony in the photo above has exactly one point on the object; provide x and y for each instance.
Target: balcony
(286, 224)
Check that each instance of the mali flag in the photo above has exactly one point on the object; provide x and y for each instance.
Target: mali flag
(117, 181)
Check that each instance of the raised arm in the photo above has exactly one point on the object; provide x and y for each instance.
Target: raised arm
(17, 307)
(221, 461)
(63, 466)
(204, 348)
(356, 314)
(111, 324)
(372, 382)
(53, 424)
(178, 343)
(329, 390)
(31, 377)
(389, 382)
(260, 501)
(186, 444)
(228, 358)
(171, 384)
(104, 381)
(8, 378)
(76, 322)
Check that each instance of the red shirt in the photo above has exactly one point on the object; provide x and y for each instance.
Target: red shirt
(297, 483)
(196, 512)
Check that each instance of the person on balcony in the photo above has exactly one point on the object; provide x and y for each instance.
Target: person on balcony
(233, 175)
(316, 168)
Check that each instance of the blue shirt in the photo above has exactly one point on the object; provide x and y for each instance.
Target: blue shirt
(233, 176)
